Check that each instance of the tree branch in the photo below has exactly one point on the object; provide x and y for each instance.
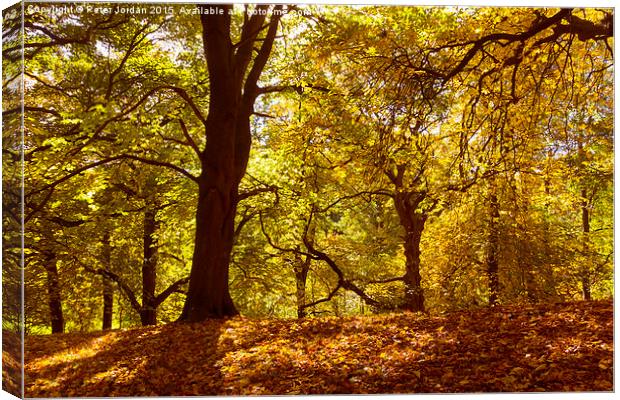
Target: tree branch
(107, 161)
(160, 298)
(189, 139)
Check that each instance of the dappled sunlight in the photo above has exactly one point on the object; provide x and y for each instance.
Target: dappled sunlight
(120, 373)
(563, 347)
(74, 354)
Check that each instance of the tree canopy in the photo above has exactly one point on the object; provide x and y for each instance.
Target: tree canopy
(198, 161)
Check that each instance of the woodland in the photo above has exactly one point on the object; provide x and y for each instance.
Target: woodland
(251, 183)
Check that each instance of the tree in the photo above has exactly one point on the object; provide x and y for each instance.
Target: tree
(233, 89)
(417, 159)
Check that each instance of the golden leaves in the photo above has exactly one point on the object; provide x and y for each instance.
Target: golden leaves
(563, 347)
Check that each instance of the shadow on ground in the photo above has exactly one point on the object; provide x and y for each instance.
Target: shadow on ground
(561, 347)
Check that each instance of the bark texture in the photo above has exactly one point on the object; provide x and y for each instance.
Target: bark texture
(233, 78)
(492, 261)
(412, 221)
(302, 267)
(148, 312)
(57, 319)
(108, 286)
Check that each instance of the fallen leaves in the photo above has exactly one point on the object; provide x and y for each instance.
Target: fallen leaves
(11, 363)
(560, 347)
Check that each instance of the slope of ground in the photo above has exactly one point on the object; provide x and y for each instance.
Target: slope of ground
(559, 347)
(11, 362)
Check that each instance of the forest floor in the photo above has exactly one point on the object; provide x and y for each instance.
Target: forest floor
(551, 347)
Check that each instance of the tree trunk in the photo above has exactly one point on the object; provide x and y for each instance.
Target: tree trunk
(412, 222)
(53, 291)
(108, 286)
(208, 294)
(108, 304)
(550, 285)
(526, 260)
(492, 261)
(148, 312)
(232, 92)
(301, 275)
(585, 226)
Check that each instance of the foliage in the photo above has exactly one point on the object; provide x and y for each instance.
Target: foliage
(421, 158)
(553, 347)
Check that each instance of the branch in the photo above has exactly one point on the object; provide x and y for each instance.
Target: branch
(510, 37)
(244, 220)
(121, 284)
(323, 300)
(32, 109)
(375, 192)
(297, 88)
(388, 280)
(250, 87)
(189, 139)
(132, 46)
(67, 223)
(256, 191)
(107, 161)
(183, 94)
(277, 247)
(171, 289)
(585, 29)
(319, 255)
(251, 29)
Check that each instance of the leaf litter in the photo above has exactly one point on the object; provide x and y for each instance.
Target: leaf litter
(537, 348)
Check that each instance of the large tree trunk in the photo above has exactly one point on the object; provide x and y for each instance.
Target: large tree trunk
(208, 295)
(108, 285)
(232, 92)
(148, 313)
(412, 221)
(53, 291)
(492, 261)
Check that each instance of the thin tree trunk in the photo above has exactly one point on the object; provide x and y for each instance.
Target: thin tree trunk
(108, 304)
(302, 267)
(550, 285)
(54, 296)
(148, 313)
(525, 261)
(492, 261)
(108, 286)
(412, 222)
(585, 226)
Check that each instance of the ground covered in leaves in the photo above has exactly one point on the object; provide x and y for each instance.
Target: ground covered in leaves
(558, 347)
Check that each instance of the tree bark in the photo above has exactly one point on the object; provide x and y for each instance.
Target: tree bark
(301, 275)
(585, 226)
(108, 287)
(53, 291)
(412, 221)
(232, 93)
(550, 284)
(148, 312)
(492, 261)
